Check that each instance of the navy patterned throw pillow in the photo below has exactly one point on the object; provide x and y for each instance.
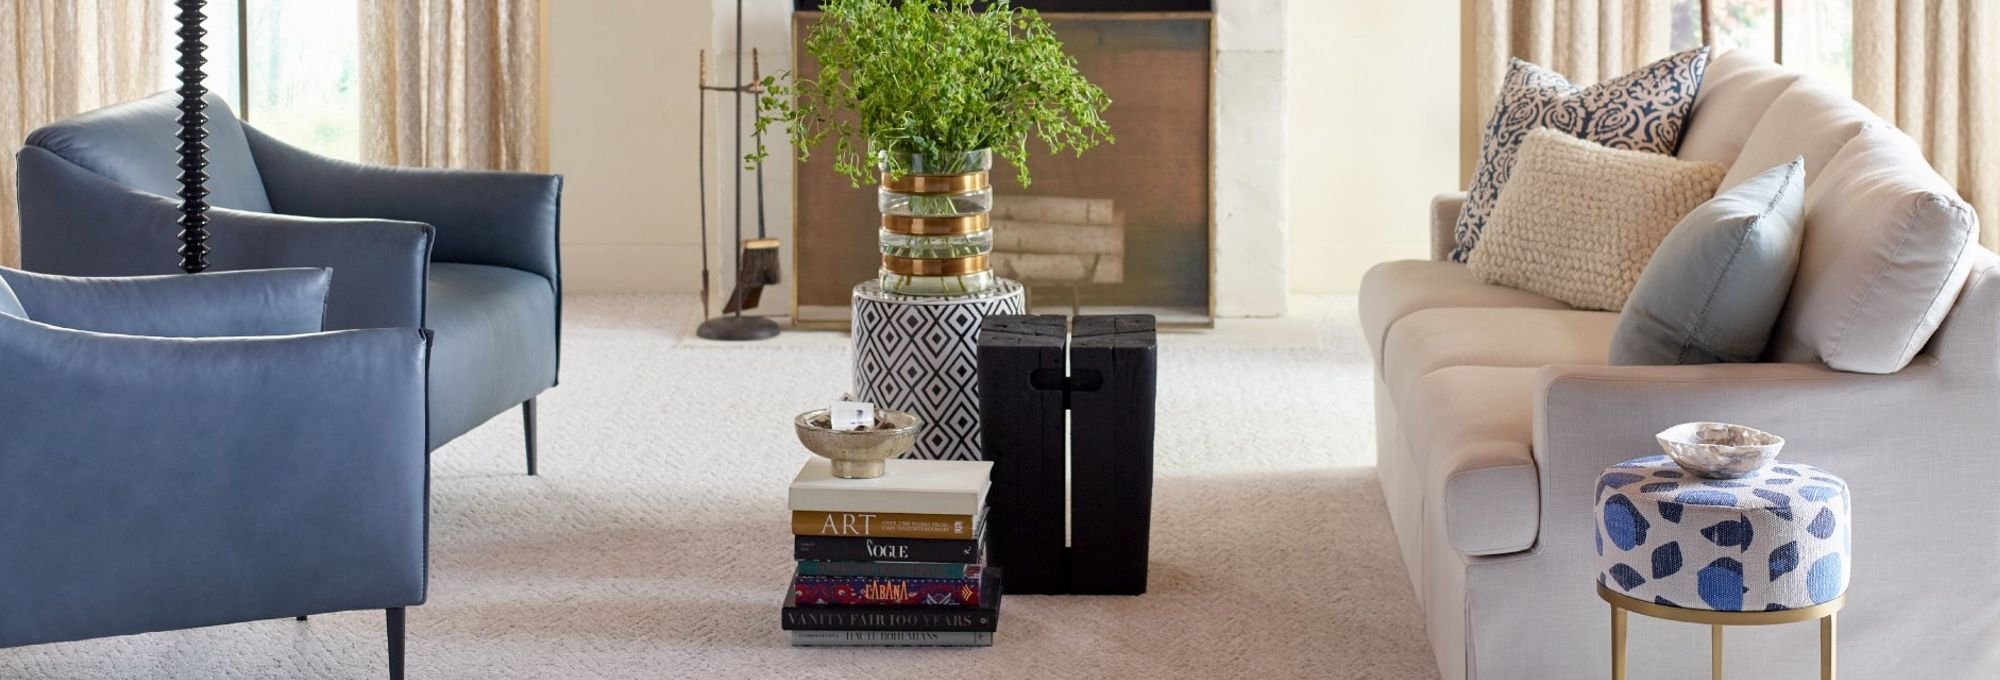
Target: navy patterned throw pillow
(1645, 110)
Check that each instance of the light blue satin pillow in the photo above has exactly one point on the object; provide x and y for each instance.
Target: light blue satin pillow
(1714, 288)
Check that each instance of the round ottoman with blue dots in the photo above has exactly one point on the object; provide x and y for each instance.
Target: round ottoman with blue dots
(1774, 540)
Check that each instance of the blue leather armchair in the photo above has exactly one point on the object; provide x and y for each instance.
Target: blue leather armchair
(470, 255)
(191, 451)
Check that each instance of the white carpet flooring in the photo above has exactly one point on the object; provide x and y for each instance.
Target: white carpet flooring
(655, 543)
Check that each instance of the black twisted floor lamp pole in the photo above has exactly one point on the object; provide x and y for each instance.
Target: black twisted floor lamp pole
(193, 149)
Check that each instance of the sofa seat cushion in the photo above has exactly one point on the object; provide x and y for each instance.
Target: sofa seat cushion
(1437, 339)
(1393, 290)
(1472, 427)
(494, 343)
(1739, 87)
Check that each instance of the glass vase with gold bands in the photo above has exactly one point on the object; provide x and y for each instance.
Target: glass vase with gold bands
(936, 233)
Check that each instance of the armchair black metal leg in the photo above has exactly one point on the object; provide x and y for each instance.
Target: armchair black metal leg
(528, 425)
(302, 618)
(396, 643)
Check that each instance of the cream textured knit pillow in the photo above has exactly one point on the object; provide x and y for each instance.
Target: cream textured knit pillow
(1577, 222)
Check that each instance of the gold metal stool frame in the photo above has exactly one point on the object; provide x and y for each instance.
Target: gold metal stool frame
(1716, 620)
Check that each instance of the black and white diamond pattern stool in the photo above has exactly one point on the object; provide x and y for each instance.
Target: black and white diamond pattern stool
(920, 354)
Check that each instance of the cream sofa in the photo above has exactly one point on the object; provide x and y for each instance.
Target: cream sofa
(1495, 412)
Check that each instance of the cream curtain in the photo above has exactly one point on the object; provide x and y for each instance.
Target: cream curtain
(1933, 67)
(451, 83)
(1585, 40)
(62, 57)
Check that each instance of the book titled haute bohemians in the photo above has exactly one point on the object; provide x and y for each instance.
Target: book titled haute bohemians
(887, 638)
(984, 618)
(884, 524)
(877, 591)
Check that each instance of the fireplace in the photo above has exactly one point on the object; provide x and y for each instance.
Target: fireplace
(1127, 227)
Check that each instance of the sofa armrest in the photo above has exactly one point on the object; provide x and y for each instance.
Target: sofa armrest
(506, 219)
(163, 483)
(78, 223)
(1444, 220)
(1871, 428)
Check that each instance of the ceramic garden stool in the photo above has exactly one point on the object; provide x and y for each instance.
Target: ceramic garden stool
(1764, 549)
(920, 354)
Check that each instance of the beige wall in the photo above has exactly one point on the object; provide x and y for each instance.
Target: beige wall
(1374, 133)
(622, 132)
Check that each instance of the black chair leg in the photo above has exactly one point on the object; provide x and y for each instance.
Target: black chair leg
(396, 644)
(302, 618)
(528, 425)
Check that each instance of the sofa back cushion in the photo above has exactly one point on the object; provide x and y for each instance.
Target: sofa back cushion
(133, 144)
(1739, 87)
(1887, 248)
(1809, 119)
(1578, 221)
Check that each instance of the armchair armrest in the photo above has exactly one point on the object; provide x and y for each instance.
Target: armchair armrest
(508, 219)
(152, 484)
(224, 304)
(1444, 222)
(78, 223)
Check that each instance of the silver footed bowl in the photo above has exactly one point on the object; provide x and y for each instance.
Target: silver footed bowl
(1720, 450)
(858, 454)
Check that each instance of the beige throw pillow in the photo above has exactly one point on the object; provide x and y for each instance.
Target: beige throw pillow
(1578, 221)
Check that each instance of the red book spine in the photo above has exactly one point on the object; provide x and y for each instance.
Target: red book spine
(866, 591)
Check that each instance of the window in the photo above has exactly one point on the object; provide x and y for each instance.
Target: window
(303, 76)
(1818, 34)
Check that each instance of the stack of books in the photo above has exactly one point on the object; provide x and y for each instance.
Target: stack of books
(898, 560)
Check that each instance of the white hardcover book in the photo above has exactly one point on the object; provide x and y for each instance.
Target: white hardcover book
(918, 487)
(888, 638)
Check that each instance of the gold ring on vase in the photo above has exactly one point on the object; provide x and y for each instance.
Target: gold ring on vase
(937, 184)
(950, 266)
(934, 226)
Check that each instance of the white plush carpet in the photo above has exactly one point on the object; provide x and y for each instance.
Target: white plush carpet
(655, 543)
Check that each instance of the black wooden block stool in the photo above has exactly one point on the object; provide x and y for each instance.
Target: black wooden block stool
(1101, 370)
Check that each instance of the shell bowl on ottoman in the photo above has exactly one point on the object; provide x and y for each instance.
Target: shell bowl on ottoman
(1719, 450)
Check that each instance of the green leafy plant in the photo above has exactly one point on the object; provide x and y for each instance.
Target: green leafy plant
(933, 78)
